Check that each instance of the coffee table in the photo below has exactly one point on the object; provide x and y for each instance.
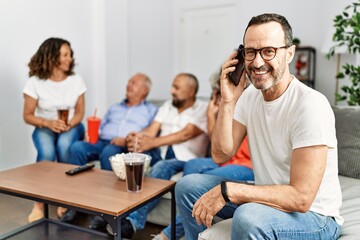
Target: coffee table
(96, 192)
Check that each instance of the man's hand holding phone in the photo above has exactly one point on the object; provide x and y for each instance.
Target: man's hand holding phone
(239, 67)
(229, 91)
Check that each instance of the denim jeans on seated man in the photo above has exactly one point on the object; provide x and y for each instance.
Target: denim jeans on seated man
(231, 172)
(208, 166)
(166, 169)
(55, 146)
(84, 152)
(287, 225)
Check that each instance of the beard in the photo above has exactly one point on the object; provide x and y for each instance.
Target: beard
(178, 103)
(276, 76)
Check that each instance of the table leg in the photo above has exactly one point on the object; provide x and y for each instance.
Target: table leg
(117, 229)
(115, 224)
(46, 210)
(173, 214)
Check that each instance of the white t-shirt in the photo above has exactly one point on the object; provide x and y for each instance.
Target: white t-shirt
(52, 95)
(172, 121)
(301, 117)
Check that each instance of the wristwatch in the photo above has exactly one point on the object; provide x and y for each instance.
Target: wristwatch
(224, 191)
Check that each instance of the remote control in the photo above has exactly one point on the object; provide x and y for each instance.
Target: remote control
(80, 169)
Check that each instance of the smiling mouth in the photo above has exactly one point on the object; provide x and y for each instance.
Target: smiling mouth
(258, 72)
(261, 70)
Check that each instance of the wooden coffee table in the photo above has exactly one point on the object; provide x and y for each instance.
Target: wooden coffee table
(96, 192)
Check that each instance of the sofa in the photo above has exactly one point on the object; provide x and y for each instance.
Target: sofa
(348, 135)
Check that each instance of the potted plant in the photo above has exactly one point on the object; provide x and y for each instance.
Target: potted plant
(347, 33)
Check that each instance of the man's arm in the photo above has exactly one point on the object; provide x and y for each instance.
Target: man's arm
(228, 134)
(188, 132)
(152, 130)
(306, 173)
(134, 138)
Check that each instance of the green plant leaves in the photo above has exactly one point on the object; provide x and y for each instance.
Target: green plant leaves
(347, 32)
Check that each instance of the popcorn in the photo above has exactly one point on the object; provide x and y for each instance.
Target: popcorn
(118, 164)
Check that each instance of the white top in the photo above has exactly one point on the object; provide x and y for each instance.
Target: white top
(301, 117)
(52, 95)
(172, 121)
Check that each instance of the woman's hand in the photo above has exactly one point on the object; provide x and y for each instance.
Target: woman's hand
(212, 108)
(57, 126)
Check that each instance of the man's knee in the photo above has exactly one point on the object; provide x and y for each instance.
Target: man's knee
(186, 185)
(77, 147)
(160, 170)
(111, 150)
(250, 219)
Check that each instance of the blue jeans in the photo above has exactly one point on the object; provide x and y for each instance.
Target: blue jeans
(83, 152)
(207, 166)
(251, 220)
(55, 146)
(164, 170)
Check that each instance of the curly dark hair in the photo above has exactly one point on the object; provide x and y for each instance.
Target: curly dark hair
(47, 57)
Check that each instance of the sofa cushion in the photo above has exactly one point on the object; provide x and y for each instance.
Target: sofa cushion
(350, 208)
(221, 230)
(348, 136)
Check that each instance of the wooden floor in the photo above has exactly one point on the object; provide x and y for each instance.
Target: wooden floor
(14, 212)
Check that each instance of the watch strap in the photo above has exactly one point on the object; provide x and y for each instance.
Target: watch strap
(224, 191)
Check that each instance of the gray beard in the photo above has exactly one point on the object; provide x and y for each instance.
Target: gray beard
(276, 78)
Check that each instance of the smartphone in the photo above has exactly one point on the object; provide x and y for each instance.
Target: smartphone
(239, 67)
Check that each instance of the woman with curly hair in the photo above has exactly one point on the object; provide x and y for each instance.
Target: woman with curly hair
(53, 85)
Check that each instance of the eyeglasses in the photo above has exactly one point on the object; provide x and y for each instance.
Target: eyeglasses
(267, 53)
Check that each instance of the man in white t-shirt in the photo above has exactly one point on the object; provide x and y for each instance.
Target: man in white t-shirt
(293, 147)
(179, 131)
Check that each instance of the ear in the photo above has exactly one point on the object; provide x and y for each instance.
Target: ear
(290, 54)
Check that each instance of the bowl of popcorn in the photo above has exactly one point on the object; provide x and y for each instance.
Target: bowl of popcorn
(118, 164)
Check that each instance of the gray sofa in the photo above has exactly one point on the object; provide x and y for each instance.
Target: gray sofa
(348, 135)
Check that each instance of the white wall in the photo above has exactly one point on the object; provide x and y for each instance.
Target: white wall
(151, 43)
(114, 39)
(24, 26)
(116, 51)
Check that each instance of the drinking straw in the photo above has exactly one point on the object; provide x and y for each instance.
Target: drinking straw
(95, 112)
(136, 143)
